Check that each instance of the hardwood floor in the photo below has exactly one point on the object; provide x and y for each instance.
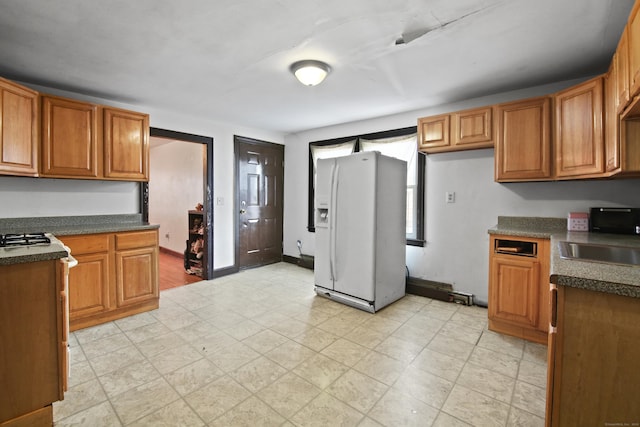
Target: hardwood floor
(172, 272)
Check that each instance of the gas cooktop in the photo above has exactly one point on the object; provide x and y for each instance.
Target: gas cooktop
(24, 239)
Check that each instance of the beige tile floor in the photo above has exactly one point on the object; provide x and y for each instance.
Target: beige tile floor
(258, 348)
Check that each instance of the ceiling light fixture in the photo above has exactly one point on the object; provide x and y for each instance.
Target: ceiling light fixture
(310, 72)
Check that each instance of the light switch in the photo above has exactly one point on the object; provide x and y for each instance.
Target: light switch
(219, 201)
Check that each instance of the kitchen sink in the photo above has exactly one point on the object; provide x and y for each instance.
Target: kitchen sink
(600, 253)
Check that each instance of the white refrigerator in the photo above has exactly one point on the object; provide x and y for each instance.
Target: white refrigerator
(360, 223)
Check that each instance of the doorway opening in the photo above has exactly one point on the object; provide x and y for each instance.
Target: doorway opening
(178, 198)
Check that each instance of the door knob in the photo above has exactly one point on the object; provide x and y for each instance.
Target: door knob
(242, 211)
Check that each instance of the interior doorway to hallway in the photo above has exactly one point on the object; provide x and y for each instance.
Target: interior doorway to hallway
(178, 196)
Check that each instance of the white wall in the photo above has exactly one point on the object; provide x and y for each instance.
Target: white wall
(176, 186)
(457, 250)
(39, 197)
(223, 167)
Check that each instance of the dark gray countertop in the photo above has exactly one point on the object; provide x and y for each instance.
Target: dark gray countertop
(62, 226)
(24, 254)
(612, 278)
(68, 225)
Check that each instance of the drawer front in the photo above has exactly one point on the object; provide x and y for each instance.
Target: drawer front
(87, 244)
(136, 239)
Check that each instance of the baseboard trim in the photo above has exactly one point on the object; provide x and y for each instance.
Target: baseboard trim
(430, 289)
(290, 259)
(171, 252)
(224, 271)
(305, 262)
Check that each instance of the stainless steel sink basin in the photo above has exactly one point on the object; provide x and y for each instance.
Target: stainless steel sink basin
(600, 253)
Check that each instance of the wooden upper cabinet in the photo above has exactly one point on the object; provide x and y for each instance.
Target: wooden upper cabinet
(70, 143)
(629, 135)
(611, 120)
(89, 141)
(633, 40)
(18, 129)
(523, 144)
(462, 130)
(579, 144)
(621, 65)
(126, 145)
(433, 132)
(473, 128)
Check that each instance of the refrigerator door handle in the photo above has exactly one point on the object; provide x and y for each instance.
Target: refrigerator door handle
(335, 169)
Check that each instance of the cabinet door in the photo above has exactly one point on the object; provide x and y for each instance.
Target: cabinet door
(89, 285)
(70, 146)
(433, 132)
(633, 40)
(523, 145)
(136, 275)
(29, 333)
(595, 376)
(18, 130)
(473, 128)
(611, 120)
(578, 130)
(552, 361)
(621, 64)
(514, 295)
(126, 142)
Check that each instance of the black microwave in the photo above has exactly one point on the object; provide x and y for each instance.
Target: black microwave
(615, 220)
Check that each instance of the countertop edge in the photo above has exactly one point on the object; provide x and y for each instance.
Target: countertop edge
(24, 259)
(596, 285)
(99, 228)
(521, 233)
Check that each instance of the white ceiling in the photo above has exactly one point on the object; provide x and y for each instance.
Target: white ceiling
(228, 60)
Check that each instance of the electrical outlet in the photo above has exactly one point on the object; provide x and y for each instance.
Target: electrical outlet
(450, 196)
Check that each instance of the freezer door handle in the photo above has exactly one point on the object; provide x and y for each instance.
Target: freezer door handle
(335, 168)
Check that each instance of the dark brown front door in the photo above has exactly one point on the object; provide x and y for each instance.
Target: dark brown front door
(260, 167)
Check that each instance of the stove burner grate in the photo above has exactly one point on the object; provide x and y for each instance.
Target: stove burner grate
(24, 239)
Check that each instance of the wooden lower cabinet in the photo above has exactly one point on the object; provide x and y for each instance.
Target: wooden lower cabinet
(33, 356)
(136, 268)
(89, 287)
(593, 375)
(42, 417)
(518, 292)
(116, 276)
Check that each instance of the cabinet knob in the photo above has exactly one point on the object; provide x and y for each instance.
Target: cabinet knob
(242, 211)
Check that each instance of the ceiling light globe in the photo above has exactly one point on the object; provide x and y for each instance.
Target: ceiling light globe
(310, 72)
